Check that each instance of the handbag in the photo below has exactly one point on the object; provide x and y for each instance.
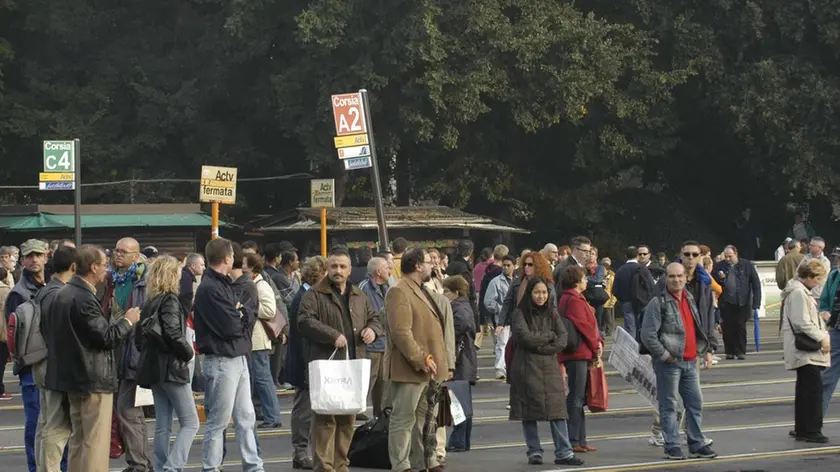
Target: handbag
(444, 413)
(274, 327)
(596, 295)
(572, 334)
(150, 326)
(802, 341)
(369, 447)
(597, 392)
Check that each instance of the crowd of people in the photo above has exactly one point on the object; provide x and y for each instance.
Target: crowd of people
(240, 322)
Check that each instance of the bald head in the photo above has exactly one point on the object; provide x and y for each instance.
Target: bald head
(675, 272)
(126, 253)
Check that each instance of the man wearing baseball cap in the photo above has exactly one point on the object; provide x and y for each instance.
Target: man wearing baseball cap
(34, 256)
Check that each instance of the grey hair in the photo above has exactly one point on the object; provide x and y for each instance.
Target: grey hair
(817, 239)
(374, 263)
(192, 258)
(7, 250)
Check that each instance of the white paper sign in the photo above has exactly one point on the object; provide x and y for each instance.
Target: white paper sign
(456, 409)
(143, 397)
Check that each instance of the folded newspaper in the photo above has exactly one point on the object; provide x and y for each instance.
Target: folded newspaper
(636, 369)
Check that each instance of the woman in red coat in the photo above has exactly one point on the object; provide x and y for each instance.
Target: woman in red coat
(573, 282)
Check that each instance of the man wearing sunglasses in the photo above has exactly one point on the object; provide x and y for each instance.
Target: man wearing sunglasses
(699, 284)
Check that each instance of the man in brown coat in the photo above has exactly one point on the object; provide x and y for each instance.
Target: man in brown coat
(335, 315)
(786, 267)
(417, 354)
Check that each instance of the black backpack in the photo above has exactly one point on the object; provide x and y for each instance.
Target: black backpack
(573, 339)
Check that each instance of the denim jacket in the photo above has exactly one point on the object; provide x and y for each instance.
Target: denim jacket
(376, 295)
(663, 332)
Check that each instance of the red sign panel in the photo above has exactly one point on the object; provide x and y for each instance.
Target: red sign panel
(348, 113)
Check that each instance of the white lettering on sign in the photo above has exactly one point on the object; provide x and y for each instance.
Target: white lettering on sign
(348, 113)
(59, 156)
(58, 145)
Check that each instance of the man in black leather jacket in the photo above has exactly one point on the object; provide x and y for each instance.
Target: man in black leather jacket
(80, 359)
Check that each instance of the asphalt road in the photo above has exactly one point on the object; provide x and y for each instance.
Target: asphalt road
(748, 412)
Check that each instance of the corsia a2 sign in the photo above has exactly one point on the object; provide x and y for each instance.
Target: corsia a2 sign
(352, 130)
(218, 184)
(349, 114)
(323, 193)
(59, 166)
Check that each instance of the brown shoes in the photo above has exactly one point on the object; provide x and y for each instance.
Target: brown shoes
(584, 449)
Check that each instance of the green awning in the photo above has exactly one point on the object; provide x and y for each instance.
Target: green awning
(44, 221)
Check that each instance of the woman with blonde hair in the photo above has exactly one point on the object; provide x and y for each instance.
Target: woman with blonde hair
(807, 347)
(165, 363)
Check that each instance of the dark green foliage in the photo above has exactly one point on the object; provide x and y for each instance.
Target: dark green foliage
(537, 111)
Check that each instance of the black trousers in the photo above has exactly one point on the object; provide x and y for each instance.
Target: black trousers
(807, 406)
(4, 356)
(734, 328)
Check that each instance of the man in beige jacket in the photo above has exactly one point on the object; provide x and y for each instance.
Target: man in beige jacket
(417, 354)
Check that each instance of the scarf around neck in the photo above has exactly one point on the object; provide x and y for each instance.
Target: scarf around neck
(120, 279)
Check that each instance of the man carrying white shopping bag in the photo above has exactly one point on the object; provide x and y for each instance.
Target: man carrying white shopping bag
(335, 322)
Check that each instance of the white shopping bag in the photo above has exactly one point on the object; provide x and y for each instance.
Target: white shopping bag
(339, 387)
(455, 408)
(143, 397)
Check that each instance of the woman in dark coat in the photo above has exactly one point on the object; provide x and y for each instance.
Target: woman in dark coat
(457, 290)
(537, 393)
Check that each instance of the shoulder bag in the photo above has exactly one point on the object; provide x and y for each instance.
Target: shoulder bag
(802, 341)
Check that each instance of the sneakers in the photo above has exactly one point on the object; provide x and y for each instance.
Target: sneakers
(656, 440)
(507, 407)
(704, 452)
(500, 375)
(574, 460)
(5, 396)
(706, 441)
(265, 425)
(536, 459)
(674, 454)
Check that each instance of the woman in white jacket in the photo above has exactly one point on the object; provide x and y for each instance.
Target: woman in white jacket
(261, 381)
(801, 317)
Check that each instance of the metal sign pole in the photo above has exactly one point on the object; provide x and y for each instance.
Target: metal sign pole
(214, 220)
(374, 173)
(77, 204)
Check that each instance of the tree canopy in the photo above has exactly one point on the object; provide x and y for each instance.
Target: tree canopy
(544, 112)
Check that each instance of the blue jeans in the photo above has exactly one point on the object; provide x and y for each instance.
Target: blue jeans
(629, 318)
(264, 386)
(831, 375)
(171, 398)
(680, 379)
(562, 446)
(228, 392)
(578, 372)
(31, 409)
(461, 435)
